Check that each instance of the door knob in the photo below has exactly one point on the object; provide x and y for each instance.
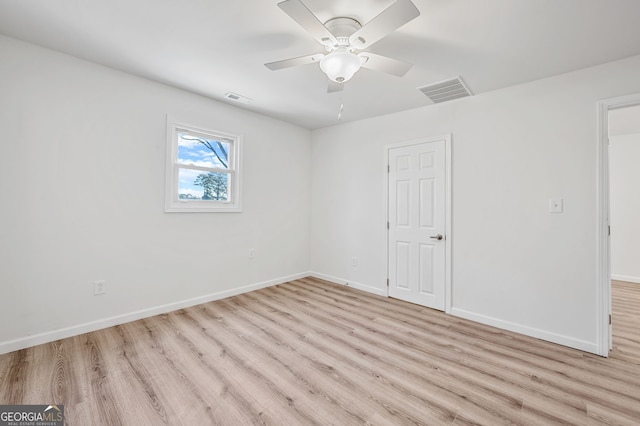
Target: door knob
(437, 237)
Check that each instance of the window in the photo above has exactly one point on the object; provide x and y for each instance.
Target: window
(203, 170)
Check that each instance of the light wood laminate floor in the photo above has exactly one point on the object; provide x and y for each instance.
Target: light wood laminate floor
(311, 352)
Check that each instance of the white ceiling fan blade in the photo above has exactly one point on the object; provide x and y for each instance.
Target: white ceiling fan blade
(307, 20)
(390, 19)
(334, 87)
(294, 62)
(384, 64)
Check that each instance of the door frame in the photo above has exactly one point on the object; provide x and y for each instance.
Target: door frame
(448, 210)
(603, 243)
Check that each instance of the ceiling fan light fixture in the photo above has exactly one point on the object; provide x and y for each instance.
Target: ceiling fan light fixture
(340, 65)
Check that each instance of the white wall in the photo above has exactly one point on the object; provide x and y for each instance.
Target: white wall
(624, 161)
(82, 172)
(515, 265)
(82, 187)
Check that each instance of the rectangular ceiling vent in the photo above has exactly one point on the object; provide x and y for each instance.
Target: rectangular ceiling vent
(446, 90)
(237, 98)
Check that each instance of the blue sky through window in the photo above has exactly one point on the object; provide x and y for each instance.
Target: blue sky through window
(202, 152)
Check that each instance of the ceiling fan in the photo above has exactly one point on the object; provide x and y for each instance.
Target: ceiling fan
(345, 40)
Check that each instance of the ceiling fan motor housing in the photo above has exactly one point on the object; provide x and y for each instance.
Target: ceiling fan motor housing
(341, 63)
(342, 28)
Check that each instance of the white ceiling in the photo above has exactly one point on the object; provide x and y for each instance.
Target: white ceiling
(212, 47)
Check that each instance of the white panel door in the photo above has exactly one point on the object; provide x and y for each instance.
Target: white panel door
(417, 215)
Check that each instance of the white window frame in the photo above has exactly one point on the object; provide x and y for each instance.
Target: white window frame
(173, 203)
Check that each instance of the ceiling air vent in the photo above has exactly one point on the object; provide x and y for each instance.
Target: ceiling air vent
(237, 98)
(446, 90)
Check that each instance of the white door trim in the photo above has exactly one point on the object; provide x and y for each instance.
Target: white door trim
(603, 249)
(448, 213)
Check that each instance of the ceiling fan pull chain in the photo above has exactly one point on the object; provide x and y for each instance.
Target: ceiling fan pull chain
(341, 105)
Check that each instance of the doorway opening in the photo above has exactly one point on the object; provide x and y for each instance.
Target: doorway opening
(624, 211)
(610, 112)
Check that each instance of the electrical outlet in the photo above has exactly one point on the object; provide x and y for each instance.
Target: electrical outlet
(354, 262)
(252, 254)
(99, 287)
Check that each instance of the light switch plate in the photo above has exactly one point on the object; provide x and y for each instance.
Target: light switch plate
(555, 205)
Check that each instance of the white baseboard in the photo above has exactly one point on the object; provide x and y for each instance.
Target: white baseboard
(626, 278)
(349, 283)
(582, 345)
(51, 336)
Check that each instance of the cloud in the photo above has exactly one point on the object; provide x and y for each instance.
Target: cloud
(199, 163)
(187, 143)
(187, 176)
(202, 153)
